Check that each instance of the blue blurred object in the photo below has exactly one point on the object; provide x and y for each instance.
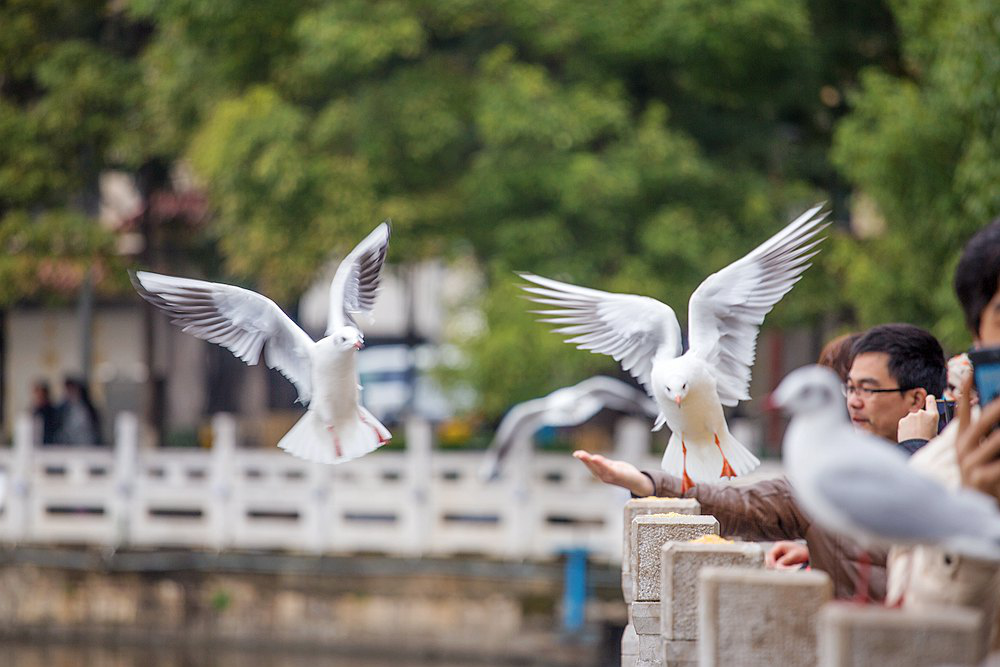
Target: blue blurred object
(574, 590)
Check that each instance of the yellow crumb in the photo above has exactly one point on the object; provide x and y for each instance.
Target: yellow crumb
(652, 499)
(710, 539)
(670, 514)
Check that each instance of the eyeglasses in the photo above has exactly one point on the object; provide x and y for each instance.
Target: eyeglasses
(866, 392)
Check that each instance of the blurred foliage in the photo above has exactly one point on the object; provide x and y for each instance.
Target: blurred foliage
(922, 148)
(629, 145)
(637, 145)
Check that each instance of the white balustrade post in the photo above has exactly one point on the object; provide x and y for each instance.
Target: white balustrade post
(223, 469)
(19, 483)
(520, 525)
(631, 443)
(419, 474)
(125, 471)
(316, 519)
(632, 440)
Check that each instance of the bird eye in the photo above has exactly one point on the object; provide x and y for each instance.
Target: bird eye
(685, 386)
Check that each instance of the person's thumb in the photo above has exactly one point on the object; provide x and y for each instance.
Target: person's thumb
(930, 404)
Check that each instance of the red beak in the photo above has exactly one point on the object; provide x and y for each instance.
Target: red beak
(769, 404)
(358, 345)
(677, 400)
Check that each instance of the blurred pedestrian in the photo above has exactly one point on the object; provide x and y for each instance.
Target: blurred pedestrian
(79, 423)
(44, 412)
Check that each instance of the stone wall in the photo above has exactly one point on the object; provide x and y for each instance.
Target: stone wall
(431, 607)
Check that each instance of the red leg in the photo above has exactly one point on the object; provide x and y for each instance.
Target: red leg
(381, 440)
(727, 470)
(861, 595)
(336, 442)
(686, 482)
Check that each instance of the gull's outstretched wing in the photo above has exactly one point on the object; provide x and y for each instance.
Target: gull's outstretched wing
(884, 498)
(356, 282)
(238, 319)
(617, 395)
(727, 309)
(629, 328)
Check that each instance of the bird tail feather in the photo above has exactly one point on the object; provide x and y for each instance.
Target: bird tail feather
(740, 458)
(703, 460)
(312, 440)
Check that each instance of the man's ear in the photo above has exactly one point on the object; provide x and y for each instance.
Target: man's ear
(918, 398)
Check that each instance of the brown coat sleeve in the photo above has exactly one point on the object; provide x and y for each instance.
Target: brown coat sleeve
(761, 511)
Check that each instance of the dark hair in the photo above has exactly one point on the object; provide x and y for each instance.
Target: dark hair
(837, 354)
(977, 276)
(915, 356)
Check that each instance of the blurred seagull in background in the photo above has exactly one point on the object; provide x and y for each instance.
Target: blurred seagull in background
(724, 318)
(857, 485)
(569, 406)
(336, 427)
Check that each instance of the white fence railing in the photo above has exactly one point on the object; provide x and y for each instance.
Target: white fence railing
(414, 502)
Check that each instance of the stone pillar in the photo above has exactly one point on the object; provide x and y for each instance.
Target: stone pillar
(643, 507)
(419, 474)
(125, 472)
(759, 617)
(224, 432)
(680, 565)
(870, 636)
(649, 533)
(632, 440)
(19, 478)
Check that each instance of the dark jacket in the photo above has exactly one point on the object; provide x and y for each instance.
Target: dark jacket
(766, 511)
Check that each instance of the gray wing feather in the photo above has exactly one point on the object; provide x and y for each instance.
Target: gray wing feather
(242, 321)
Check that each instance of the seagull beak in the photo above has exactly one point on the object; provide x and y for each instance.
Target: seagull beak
(770, 405)
(677, 400)
(358, 345)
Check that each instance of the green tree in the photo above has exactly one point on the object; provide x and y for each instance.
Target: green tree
(70, 107)
(922, 146)
(636, 145)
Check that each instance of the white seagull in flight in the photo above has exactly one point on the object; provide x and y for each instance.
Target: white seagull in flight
(336, 427)
(724, 318)
(568, 406)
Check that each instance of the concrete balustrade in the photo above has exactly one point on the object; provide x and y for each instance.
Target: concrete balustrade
(419, 501)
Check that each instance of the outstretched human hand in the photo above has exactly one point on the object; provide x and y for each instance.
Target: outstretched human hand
(620, 473)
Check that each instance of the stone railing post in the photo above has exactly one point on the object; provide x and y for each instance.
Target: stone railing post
(643, 507)
(224, 433)
(680, 564)
(125, 472)
(520, 526)
(759, 617)
(419, 477)
(649, 533)
(631, 439)
(19, 480)
(854, 636)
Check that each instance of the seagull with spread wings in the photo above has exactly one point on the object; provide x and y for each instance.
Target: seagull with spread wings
(336, 427)
(724, 318)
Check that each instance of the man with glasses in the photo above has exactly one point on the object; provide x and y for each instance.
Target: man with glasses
(897, 371)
